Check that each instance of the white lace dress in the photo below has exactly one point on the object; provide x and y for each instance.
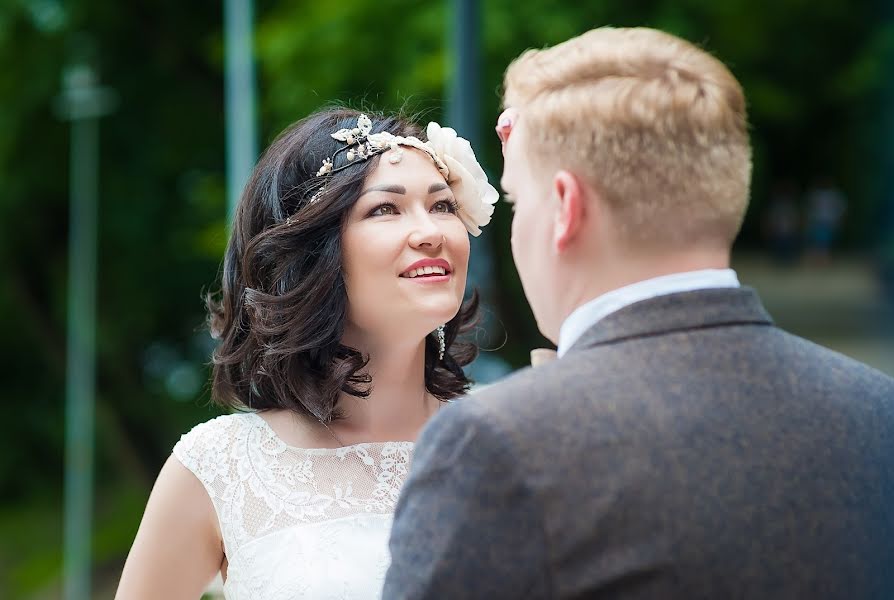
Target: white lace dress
(297, 523)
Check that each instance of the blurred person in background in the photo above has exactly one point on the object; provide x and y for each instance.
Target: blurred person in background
(341, 303)
(681, 446)
(826, 205)
(782, 223)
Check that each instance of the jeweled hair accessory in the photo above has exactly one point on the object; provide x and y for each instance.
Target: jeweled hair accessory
(356, 146)
(451, 154)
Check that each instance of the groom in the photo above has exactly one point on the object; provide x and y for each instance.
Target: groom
(681, 446)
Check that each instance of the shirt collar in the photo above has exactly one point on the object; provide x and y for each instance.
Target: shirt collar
(587, 315)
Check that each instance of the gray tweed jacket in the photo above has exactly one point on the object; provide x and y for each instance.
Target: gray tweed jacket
(685, 447)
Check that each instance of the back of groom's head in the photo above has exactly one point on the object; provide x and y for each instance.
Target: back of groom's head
(657, 126)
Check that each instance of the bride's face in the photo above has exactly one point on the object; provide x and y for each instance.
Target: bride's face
(405, 251)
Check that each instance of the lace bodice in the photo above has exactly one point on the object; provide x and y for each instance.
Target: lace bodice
(297, 523)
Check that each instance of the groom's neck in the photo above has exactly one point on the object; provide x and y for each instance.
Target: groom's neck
(587, 282)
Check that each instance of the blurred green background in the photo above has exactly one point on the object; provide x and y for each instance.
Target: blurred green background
(819, 77)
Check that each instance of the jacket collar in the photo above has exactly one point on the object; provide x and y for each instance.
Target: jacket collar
(700, 309)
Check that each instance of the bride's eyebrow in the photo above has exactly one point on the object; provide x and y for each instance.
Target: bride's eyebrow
(399, 189)
(392, 189)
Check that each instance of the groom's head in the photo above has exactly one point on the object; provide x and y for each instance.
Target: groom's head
(626, 155)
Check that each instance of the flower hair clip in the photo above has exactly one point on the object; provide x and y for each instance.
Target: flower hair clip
(451, 154)
(356, 146)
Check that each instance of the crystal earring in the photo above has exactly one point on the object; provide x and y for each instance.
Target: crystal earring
(441, 345)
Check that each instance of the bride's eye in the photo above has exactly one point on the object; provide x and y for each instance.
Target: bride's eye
(445, 207)
(383, 210)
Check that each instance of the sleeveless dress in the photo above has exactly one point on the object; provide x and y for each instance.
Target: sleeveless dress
(297, 523)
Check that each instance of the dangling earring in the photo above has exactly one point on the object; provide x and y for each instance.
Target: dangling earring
(441, 344)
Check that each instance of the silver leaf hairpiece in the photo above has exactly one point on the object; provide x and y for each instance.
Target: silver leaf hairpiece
(356, 146)
(355, 143)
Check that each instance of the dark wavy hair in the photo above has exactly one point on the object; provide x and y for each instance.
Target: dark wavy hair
(280, 313)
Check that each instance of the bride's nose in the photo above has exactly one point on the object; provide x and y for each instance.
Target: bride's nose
(426, 233)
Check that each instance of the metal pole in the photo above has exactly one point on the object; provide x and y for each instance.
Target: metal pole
(81, 361)
(464, 115)
(465, 40)
(82, 102)
(241, 129)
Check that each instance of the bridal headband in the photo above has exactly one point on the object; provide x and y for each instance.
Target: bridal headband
(452, 155)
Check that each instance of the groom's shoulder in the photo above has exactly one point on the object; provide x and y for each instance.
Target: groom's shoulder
(580, 369)
(534, 390)
(527, 381)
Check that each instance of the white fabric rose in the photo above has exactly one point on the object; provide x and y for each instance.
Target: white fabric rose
(474, 195)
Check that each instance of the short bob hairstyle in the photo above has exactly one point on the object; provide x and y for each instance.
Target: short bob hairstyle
(280, 314)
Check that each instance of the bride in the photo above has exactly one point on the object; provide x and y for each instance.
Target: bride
(342, 297)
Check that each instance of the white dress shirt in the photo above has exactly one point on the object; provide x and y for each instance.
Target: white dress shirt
(587, 315)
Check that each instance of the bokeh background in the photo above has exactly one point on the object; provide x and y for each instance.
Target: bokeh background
(817, 242)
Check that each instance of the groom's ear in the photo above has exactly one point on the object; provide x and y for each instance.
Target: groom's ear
(571, 211)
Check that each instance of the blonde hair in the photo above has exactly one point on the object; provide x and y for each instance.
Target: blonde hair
(657, 125)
